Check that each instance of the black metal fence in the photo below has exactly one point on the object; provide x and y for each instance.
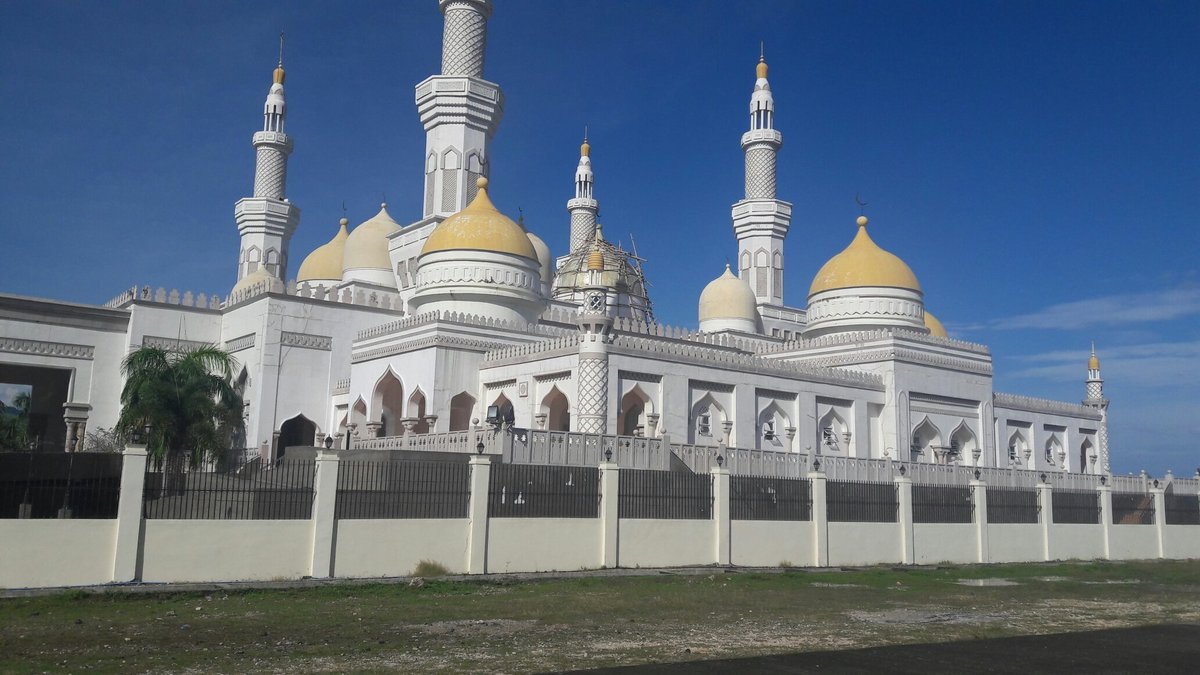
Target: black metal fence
(861, 502)
(59, 484)
(1182, 509)
(759, 498)
(543, 491)
(676, 495)
(1075, 507)
(402, 489)
(942, 504)
(1012, 505)
(1132, 508)
(281, 492)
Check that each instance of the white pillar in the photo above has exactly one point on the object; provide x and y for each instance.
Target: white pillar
(905, 494)
(610, 480)
(1046, 507)
(721, 514)
(324, 524)
(129, 514)
(1160, 517)
(481, 473)
(820, 519)
(979, 498)
(1106, 519)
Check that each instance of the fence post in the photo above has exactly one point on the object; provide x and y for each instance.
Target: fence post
(129, 514)
(979, 498)
(1106, 519)
(904, 493)
(481, 474)
(1046, 517)
(721, 515)
(610, 515)
(1160, 517)
(324, 523)
(820, 519)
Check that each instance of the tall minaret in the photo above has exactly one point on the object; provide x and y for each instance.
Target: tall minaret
(1095, 399)
(760, 221)
(460, 110)
(583, 208)
(267, 220)
(595, 332)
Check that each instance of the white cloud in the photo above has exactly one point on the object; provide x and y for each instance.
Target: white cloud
(1110, 310)
(1155, 364)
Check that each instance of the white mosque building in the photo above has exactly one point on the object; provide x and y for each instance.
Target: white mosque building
(392, 329)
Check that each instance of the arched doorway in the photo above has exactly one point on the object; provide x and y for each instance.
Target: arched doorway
(388, 403)
(461, 406)
(298, 431)
(554, 406)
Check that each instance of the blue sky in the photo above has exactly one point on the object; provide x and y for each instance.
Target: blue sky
(1035, 163)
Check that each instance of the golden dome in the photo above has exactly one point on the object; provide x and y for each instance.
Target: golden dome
(728, 297)
(585, 150)
(325, 262)
(935, 327)
(595, 260)
(480, 227)
(863, 263)
(367, 245)
(278, 75)
(761, 70)
(1094, 361)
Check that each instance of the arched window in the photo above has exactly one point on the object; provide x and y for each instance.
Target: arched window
(554, 406)
(1016, 447)
(926, 438)
(833, 434)
(635, 405)
(773, 423)
(963, 444)
(1053, 450)
(708, 421)
(1085, 453)
(416, 408)
(298, 431)
(388, 403)
(504, 409)
(461, 406)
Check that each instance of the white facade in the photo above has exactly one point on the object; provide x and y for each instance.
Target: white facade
(415, 337)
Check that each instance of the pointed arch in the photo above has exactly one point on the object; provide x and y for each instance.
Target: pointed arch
(1085, 451)
(555, 407)
(1017, 445)
(831, 431)
(504, 408)
(416, 409)
(963, 443)
(707, 420)
(635, 405)
(1052, 449)
(387, 403)
(358, 417)
(461, 406)
(926, 438)
(772, 422)
(297, 431)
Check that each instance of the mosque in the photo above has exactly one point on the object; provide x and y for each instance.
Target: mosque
(464, 316)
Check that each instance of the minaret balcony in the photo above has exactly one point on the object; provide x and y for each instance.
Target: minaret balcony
(771, 136)
(471, 101)
(762, 215)
(273, 138)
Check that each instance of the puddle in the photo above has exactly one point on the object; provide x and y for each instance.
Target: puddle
(986, 582)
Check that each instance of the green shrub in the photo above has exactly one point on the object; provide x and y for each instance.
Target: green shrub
(430, 568)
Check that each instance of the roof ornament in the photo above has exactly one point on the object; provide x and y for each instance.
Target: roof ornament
(762, 52)
(279, 74)
(862, 206)
(280, 49)
(521, 216)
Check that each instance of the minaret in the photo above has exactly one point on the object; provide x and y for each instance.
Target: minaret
(583, 208)
(460, 110)
(1095, 399)
(760, 221)
(267, 220)
(595, 332)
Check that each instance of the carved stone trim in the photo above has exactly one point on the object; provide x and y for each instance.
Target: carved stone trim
(777, 394)
(550, 378)
(173, 344)
(306, 341)
(631, 376)
(1030, 404)
(711, 386)
(423, 343)
(237, 344)
(63, 349)
(500, 384)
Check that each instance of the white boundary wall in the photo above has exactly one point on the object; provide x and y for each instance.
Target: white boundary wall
(48, 553)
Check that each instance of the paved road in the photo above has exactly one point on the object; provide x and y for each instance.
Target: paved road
(1168, 648)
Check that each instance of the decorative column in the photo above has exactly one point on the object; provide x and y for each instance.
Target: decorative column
(129, 514)
(481, 472)
(1106, 517)
(1046, 507)
(595, 332)
(1160, 517)
(722, 489)
(904, 493)
(323, 516)
(610, 481)
(979, 500)
(820, 519)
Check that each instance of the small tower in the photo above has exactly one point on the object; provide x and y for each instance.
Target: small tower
(1095, 399)
(583, 208)
(267, 220)
(595, 332)
(760, 221)
(459, 109)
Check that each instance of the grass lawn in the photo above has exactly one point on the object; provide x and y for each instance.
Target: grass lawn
(519, 626)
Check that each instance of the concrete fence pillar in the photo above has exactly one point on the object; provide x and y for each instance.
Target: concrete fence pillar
(477, 534)
(721, 514)
(129, 515)
(1045, 497)
(904, 493)
(324, 522)
(820, 519)
(610, 515)
(1106, 520)
(979, 500)
(1160, 517)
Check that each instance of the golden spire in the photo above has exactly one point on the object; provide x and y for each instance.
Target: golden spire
(279, 69)
(596, 257)
(761, 69)
(585, 150)
(1094, 361)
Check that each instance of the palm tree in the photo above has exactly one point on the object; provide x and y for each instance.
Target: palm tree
(185, 399)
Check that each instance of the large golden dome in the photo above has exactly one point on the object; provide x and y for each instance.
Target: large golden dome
(863, 263)
(728, 297)
(480, 227)
(367, 245)
(325, 262)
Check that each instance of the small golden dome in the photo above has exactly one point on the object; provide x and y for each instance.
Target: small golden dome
(480, 227)
(585, 150)
(279, 74)
(325, 262)
(595, 260)
(367, 245)
(935, 327)
(1094, 361)
(863, 263)
(728, 297)
(761, 70)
